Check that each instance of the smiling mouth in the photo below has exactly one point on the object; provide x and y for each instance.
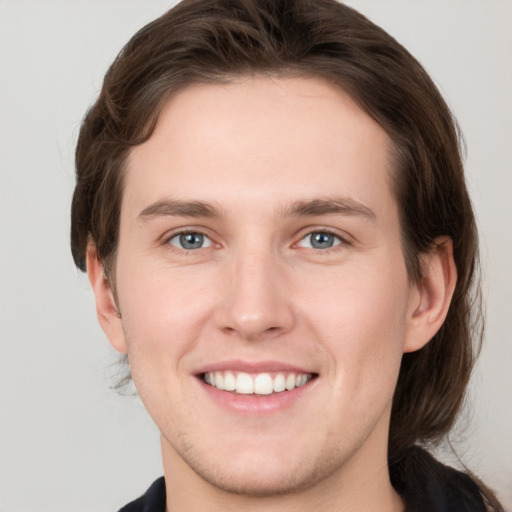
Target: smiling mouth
(258, 383)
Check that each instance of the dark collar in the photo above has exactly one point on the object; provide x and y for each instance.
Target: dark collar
(152, 501)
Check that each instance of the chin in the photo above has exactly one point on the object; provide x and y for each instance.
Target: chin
(263, 476)
(258, 482)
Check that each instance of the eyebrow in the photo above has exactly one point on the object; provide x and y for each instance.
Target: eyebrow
(325, 206)
(311, 207)
(178, 208)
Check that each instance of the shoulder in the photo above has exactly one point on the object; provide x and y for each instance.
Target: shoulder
(427, 485)
(153, 500)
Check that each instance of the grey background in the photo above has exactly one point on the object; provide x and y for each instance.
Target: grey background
(69, 442)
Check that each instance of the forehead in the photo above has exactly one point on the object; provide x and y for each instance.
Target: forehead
(260, 139)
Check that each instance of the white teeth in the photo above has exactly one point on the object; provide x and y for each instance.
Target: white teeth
(290, 382)
(259, 384)
(244, 384)
(279, 383)
(229, 382)
(263, 384)
(219, 380)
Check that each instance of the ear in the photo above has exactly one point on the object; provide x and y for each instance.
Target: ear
(106, 308)
(431, 298)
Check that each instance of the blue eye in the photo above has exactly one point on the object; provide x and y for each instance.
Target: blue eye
(320, 240)
(190, 241)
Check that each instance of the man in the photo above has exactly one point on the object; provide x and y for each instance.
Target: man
(271, 208)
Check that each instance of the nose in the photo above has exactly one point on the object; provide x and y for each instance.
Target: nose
(255, 301)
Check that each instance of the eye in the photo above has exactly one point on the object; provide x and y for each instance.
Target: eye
(320, 240)
(190, 241)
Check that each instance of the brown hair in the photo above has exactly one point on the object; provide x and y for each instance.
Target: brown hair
(201, 41)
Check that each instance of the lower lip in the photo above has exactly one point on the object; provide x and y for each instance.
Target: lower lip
(256, 404)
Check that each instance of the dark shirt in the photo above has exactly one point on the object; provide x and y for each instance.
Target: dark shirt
(152, 501)
(425, 485)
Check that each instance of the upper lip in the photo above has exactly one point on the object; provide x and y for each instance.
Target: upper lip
(252, 367)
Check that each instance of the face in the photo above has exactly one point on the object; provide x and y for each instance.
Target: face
(262, 289)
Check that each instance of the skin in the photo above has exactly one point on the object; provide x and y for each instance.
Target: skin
(257, 292)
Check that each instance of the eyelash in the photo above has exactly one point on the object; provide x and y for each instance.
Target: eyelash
(340, 240)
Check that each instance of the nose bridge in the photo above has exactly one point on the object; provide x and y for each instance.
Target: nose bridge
(255, 304)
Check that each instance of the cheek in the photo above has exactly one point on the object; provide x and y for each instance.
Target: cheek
(165, 312)
(162, 321)
(360, 318)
